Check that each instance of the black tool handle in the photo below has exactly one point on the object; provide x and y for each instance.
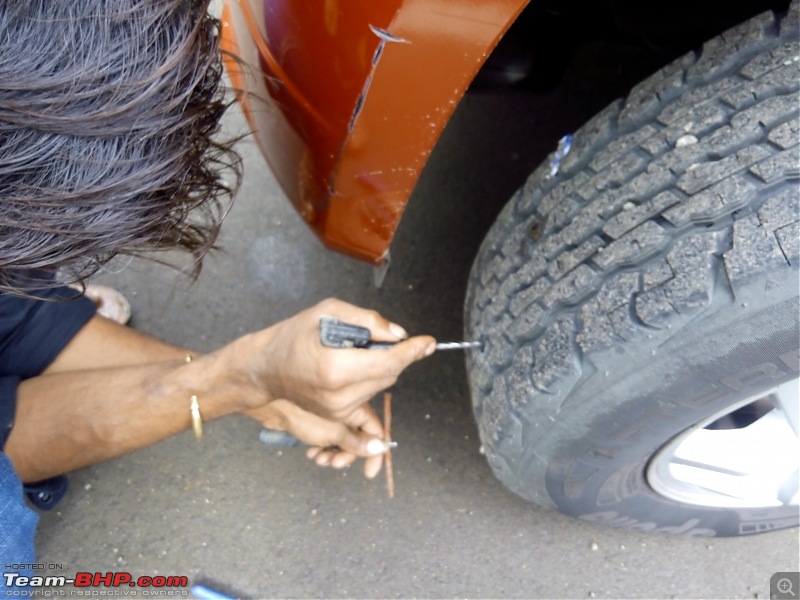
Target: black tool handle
(334, 333)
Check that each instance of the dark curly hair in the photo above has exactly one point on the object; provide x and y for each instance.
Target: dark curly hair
(109, 112)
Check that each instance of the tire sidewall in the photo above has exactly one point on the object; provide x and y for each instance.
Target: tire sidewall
(656, 391)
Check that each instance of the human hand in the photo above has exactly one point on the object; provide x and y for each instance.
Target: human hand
(288, 362)
(330, 443)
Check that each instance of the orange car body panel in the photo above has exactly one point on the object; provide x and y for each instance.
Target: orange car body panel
(347, 98)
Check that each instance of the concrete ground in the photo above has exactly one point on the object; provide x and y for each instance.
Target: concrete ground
(265, 523)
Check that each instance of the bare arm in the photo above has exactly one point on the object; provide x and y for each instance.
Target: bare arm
(113, 390)
(103, 343)
(71, 419)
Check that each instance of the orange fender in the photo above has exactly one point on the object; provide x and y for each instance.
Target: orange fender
(347, 98)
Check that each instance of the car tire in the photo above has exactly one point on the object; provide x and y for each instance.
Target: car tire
(641, 290)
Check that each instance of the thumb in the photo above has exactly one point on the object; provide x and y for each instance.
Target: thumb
(411, 350)
(319, 432)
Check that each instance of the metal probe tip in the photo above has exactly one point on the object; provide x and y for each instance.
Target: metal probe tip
(458, 345)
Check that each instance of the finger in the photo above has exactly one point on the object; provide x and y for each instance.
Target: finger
(324, 434)
(323, 459)
(381, 328)
(327, 457)
(342, 460)
(361, 374)
(366, 419)
(359, 365)
(306, 426)
(413, 349)
(335, 459)
(372, 466)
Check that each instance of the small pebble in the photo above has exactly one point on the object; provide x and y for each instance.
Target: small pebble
(594, 547)
(88, 486)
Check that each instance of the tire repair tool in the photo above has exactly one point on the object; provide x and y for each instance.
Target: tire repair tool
(334, 333)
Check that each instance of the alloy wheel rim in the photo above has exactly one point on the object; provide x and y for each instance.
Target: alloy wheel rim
(745, 456)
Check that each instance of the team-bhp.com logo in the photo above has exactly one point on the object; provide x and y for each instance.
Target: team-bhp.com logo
(95, 584)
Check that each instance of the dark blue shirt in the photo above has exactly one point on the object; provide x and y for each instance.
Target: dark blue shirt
(32, 334)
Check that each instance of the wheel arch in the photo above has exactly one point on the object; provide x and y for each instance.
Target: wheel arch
(349, 156)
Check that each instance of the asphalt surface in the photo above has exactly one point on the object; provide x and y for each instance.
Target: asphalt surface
(265, 523)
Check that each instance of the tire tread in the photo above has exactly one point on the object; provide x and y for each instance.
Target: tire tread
(637, 231)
